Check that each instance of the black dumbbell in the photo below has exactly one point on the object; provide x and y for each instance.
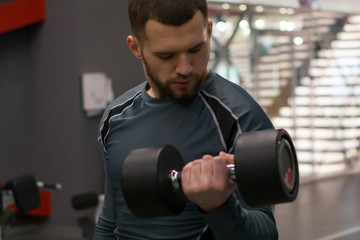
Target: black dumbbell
(265, 170)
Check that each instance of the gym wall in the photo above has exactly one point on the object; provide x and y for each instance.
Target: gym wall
(43, 129)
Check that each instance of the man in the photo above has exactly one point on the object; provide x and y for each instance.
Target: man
(184, 104)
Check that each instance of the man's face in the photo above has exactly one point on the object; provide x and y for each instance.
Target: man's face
(175, 58)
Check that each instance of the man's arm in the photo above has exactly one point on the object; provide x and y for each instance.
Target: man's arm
(206, 182)
(236, 220)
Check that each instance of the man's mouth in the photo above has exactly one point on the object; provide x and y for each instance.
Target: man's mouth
(183, 83)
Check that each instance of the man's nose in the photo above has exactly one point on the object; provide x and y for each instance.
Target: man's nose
(184, 66)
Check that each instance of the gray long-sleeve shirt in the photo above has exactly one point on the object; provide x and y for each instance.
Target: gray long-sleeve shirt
(207, 124)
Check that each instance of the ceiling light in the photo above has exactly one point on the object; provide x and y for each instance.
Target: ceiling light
(290, 26)
(222, 26)
(244, 24)
(225, 6)
(242, 7)
(259, 8)
(283, 25)
(260, 24)
(287, 26)
(282, 10)
(298, 41)
(290, 11)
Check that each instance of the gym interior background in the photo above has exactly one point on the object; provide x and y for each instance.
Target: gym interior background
(299, 59)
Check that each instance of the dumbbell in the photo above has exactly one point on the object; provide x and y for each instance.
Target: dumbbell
(265, 170)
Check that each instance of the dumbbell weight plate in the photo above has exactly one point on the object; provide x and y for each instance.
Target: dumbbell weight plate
(266, 167)
(286, 165)
(145, 182)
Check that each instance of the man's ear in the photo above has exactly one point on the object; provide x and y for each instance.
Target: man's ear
(134, 46)
(209, 28)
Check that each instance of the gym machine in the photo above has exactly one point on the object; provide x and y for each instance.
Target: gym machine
(20, 195)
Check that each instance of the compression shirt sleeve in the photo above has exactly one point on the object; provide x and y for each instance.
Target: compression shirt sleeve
(239, 221)
(235, 219)
(106, 224)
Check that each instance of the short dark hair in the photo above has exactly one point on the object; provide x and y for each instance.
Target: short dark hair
(169, 12)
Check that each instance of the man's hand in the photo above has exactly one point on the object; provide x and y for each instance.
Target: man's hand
(206, 182)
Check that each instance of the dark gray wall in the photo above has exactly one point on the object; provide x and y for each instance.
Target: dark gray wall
(43, 129)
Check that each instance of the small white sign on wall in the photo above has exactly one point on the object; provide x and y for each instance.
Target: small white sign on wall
(97, 92)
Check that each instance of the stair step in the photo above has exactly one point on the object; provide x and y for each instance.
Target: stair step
(284, 73)
(350, 111)
(321, 134)
(268, 93)
(272, 83)
(331, 81)
(317, 122)
(265, 102)
(352, 28)
(333, 62)
(325, 145)
(349, 36)
(320, 156)
(327, 101)
(354, 19)
(282, 65)
(339, 53)
(350, 44)
(342, 71)
(323, 91)
(321, 169)
(284, 57)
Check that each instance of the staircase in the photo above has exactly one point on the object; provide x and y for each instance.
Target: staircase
(311, 89)
(285, 62)
(324, 115)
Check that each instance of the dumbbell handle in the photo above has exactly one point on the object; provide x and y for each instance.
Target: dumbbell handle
(175, 176)
(56, 186)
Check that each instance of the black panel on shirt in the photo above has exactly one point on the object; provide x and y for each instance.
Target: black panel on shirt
(115, 111)
(228, 124)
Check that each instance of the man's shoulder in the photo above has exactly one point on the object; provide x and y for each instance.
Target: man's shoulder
(124, 100)
(128, 95)
(224, 88)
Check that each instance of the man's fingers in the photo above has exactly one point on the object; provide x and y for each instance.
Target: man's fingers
(229, 158)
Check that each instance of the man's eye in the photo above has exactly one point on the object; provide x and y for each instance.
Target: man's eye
(195, 50)
(165, 56)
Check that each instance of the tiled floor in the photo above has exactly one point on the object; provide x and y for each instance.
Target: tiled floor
(45, 232)
(326, 210)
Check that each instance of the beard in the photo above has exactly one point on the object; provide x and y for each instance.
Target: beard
(177, 94)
